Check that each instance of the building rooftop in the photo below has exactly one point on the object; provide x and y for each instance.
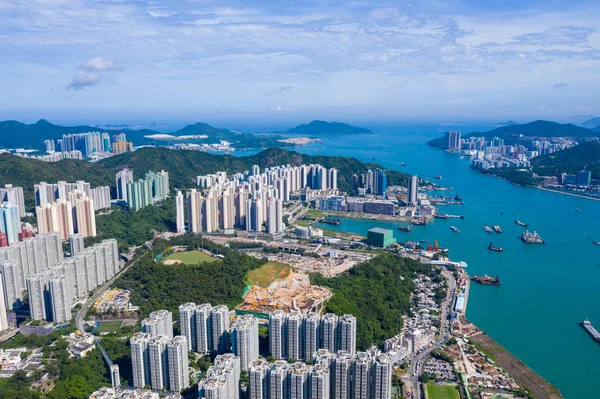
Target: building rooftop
(379, 230)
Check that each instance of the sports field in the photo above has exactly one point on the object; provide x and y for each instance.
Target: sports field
(108, 326)
(268, 273)
(442, 392)
(189, 257)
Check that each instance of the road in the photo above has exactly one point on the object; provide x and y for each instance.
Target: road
(79, 318)
(411, 380)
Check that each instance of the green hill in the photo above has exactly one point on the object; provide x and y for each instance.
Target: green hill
(585, 155)
(26, 172)
(525, 133)
(15, 134)
(183, 167)
(321, 127)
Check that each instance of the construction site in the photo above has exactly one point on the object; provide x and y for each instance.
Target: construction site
(275, 286)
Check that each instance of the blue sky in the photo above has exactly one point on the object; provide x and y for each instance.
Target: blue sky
(115, 60)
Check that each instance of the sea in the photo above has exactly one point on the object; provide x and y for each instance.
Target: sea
(545, 291)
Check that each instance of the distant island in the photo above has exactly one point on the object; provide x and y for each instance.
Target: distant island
(525, 133)
(14, 134)
(584, 156)
(327, 128)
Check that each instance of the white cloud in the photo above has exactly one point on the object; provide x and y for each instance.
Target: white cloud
(100, 64)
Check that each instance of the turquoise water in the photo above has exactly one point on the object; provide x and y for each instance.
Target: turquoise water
(546, 289)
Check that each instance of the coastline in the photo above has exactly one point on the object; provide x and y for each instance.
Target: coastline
(523, 374)
(571, 194)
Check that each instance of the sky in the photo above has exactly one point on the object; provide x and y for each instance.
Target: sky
(125, 60)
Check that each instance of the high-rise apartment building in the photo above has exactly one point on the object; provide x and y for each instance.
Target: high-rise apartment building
(10, 222)
(101, 197)
(76, 243)
(3, 307)
(220, 329)
(160, 362)
(187, 324)
(55, 217)
(179, 211)
(299, 376)
(14, 196)
(244, 340)
(347, 333)
(194, 213)
(60, 299)
(452, 140)
(10, 275)
(123, 177)
(413, 190)
(160, 322)
(177, 350)
(258, 380)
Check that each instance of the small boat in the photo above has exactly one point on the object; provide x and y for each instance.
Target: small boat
(439, 177)
(454, 229)
(424, 240)
(402, 164)
(577, 209)
(458, 197)
(497, 229)
(405, 227)
(521, 223)
(488, 230)
(531, 238)
(491, 247)
(595, 242)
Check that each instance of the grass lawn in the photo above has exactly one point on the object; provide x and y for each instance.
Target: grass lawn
(268, 273)
(191, 257)
(442, 392)
(108, 326)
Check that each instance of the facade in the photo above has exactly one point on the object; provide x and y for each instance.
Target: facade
(413, 190)
(452, 141)
(76, 244)
(244, 340)
(10, 276)
(380, 237)
(10, 222)
(3, 307)
(194, 214)
(180, 216)
(101, 197)
(160, 322)
(160, 362)
(14, 196)
(123, 177)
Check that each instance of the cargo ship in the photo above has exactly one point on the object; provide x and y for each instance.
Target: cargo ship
(486, 280)
(520, 223)
(454, 229)
(488, 230)
(491, 247)
(497, 229)
(531, 238)
(587, 326)
(405, 227)
(335, 220)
